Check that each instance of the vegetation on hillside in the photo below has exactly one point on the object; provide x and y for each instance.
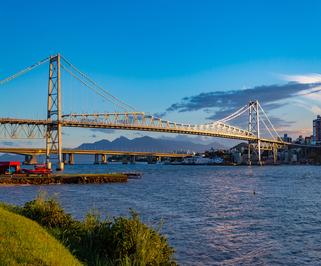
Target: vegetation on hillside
(24, 242)
(118, 241)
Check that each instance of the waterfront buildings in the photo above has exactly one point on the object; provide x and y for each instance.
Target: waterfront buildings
(286, 138)
(317, 130)
(308, 140)
(300, 140)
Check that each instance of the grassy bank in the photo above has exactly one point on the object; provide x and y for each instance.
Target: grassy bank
(24, 242)
(117, 241)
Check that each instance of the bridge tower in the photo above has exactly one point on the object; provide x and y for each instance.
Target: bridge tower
(254, 127)
(54, 133)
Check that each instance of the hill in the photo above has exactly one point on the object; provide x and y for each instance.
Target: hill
(25, 242)
(149, 144)
(12, 157)
(144, 144)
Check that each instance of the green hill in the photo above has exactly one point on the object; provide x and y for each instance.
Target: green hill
(24, 242)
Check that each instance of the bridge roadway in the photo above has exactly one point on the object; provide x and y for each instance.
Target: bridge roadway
(100, 155)
(229, 132)
(41, 151)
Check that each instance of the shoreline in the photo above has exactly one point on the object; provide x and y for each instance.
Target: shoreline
(63, 179)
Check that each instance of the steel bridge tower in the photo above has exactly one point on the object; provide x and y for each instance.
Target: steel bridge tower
(54, 133)
(254, 127)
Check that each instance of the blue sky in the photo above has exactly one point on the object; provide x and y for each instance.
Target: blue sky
(153, 54)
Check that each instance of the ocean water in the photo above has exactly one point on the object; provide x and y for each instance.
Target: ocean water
(212, 215)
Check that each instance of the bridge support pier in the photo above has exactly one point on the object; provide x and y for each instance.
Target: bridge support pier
(64, 158)
(125, 160)
(132, 159)
(71, 160)
(103, 159)
(30, 159)
(96, 159)
(275, 153)
(259, 155)
(150, 160)
(249, 160)
(54, 130)
(254, 127)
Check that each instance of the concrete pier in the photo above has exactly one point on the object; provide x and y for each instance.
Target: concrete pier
(68, 158)
(64, 158)
(71, 160)
(150, 159)
(104, 159)
(96, 159)
(132, 159)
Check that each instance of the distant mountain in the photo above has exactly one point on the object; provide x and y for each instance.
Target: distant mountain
(144, 144)
(149, 144)
(11, 157)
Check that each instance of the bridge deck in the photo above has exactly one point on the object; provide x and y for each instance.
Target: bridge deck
(41, 151)
(226, 133)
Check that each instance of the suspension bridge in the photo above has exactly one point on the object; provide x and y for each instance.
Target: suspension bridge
(128, 118)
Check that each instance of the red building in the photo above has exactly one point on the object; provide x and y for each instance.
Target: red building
(9, 167)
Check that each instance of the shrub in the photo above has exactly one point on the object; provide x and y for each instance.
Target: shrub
(133, 243)
(47, 212)
(121, 241)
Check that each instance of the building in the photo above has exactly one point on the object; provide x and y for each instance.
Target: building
(317, 130)
(300, 140)
(286, 138)
(308, 140)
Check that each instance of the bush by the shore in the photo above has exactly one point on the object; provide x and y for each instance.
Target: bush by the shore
(119, 241)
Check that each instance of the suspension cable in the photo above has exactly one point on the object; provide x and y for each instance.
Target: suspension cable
(92, 88)
(269, 122)
(234, 115)
(18, 74)
(273, 137)
(95, 84)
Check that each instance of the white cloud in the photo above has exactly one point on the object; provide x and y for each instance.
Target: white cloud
(311, 107)
(303, 79)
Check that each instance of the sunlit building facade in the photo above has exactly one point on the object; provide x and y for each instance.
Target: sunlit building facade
(317, 130)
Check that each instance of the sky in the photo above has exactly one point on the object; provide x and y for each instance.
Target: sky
(187, 61)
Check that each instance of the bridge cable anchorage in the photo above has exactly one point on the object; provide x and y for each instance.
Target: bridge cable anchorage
(24, 71)
(97, 85)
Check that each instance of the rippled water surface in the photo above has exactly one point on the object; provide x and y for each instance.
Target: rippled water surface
(212, 215)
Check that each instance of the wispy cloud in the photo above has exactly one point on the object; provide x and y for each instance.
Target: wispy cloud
(303, 79)
(311, 107)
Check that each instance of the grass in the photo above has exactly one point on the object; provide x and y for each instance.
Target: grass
(24, 242)
(117, 241)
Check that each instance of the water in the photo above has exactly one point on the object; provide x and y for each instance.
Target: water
(212, 215)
